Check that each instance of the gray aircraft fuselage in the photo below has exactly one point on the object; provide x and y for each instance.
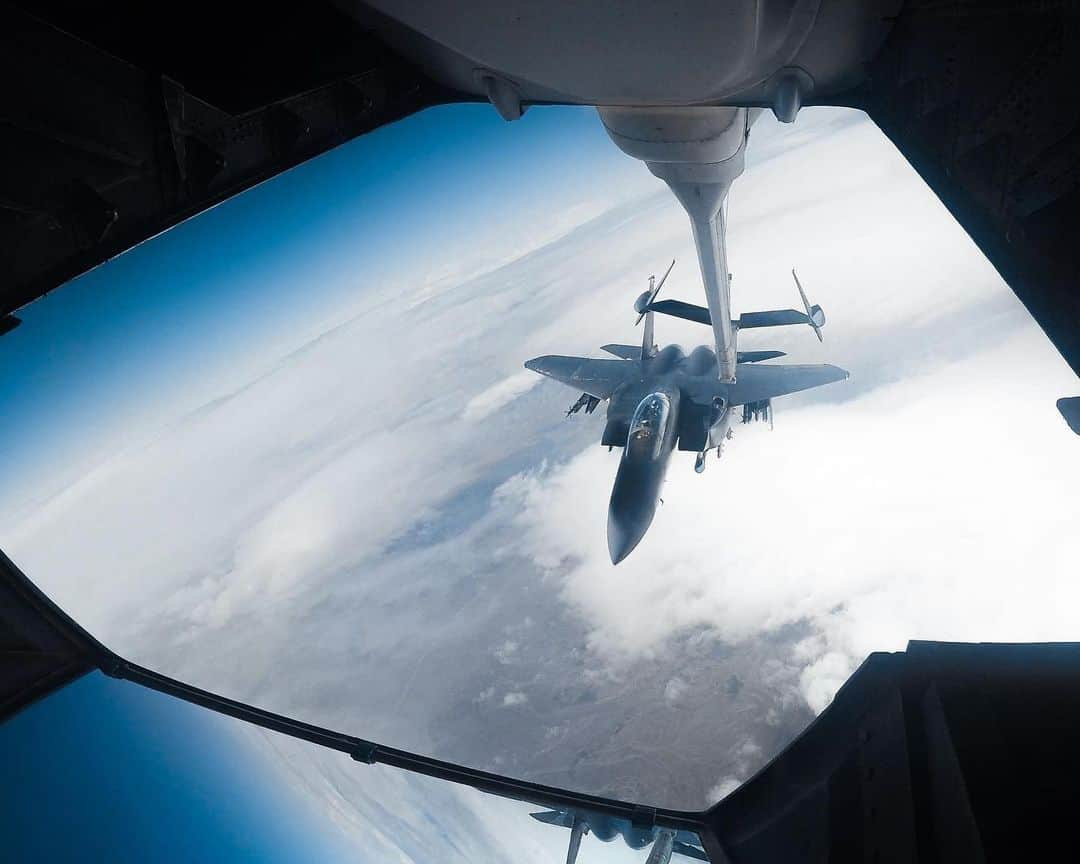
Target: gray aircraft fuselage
(662, 400)
(664, 841)
(639, 478)
(649, 409)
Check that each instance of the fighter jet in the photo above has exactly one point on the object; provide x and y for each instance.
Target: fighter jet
(662, 399)
(664, 841)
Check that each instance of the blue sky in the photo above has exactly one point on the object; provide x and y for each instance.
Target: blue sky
(104, 770)
(200, 309)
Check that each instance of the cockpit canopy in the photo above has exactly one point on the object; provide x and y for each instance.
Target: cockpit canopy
(648, 426)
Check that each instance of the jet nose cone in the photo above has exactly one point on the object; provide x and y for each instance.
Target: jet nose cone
(632, 506)
(623, 536)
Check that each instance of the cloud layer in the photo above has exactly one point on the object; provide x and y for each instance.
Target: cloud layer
(395, 532)
(929, 508)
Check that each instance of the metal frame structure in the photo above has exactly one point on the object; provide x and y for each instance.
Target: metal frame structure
(942, 753)
(117, 122)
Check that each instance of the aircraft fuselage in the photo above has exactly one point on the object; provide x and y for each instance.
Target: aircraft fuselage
(651, 438)
(665, 400)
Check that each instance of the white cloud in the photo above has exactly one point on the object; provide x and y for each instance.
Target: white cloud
(499, 395)
(506, 653)
(935, 507)
(722, 789)
(675, 688)
(746, 758)
(326, 540)
(823, 676)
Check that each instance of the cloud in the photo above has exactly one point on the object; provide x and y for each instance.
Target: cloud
(890, 516)
(360, 535)
(722, 789)
(506, 653)
(385, 814)
(499, 395)
(675, 688)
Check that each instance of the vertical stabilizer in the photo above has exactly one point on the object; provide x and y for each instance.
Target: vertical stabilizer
(648, 335)
(642, 307)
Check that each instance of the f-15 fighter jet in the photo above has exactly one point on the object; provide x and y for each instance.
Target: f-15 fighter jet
(660, 399)
(662, 842)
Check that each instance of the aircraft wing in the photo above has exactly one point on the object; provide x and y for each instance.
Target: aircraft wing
(598, 378)
(762, 381)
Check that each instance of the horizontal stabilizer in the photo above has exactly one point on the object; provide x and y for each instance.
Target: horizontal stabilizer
(626, 352)
(775, 318)
(679, 309)
(758, 356)
(757, 383)
(747, 321)
(555, 817)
